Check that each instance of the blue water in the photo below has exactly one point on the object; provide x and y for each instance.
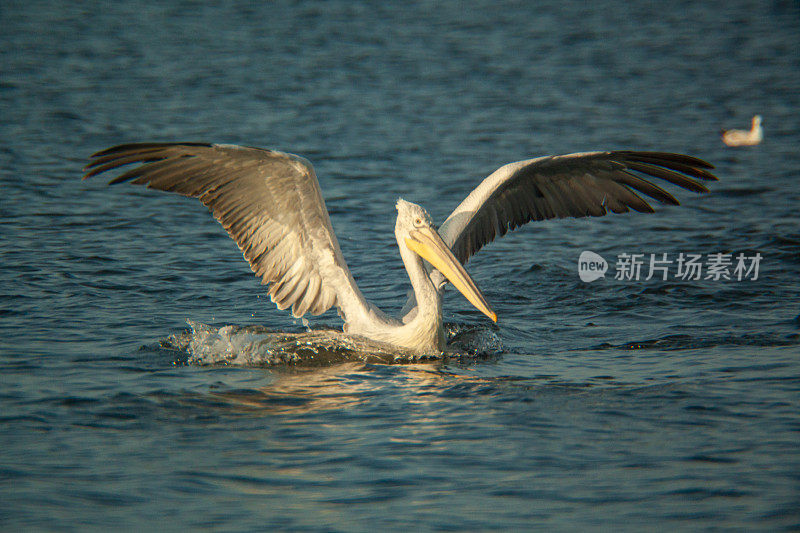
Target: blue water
(615, 405)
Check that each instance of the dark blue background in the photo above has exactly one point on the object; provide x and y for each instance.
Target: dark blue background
(617, 404)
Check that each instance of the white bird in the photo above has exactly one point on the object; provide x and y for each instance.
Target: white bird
(271, 204)
(744, 137)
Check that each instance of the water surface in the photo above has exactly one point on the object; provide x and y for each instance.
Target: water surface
(617, 404)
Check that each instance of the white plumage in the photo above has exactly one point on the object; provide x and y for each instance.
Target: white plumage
(271, 204)
(749, 137)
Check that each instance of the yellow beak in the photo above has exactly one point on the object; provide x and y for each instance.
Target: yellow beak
(427, 243)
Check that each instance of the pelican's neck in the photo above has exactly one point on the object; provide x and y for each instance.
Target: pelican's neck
(426, 294)
(423, 332)
(426, 324)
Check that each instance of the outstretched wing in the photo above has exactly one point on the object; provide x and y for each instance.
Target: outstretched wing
(574, 185)
(269, 202)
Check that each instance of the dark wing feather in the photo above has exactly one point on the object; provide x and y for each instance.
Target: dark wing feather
(574, 185)
(269, 202)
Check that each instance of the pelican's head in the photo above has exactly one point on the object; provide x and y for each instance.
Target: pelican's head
(757, 121)
(415, 229)
(410, 216)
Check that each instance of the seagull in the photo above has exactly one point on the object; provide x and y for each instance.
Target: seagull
(271, 205)
(745, 138)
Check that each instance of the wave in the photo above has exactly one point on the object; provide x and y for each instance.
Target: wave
(259, 346)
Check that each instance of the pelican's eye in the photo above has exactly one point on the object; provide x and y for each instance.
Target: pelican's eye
(418, 222)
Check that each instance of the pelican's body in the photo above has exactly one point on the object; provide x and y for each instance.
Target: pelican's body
(745, 137)
(271, 205)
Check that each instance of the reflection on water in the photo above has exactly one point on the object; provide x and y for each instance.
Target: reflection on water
(299, 390)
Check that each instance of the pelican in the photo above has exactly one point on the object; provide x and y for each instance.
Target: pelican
(744, 137)
(271, 204)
